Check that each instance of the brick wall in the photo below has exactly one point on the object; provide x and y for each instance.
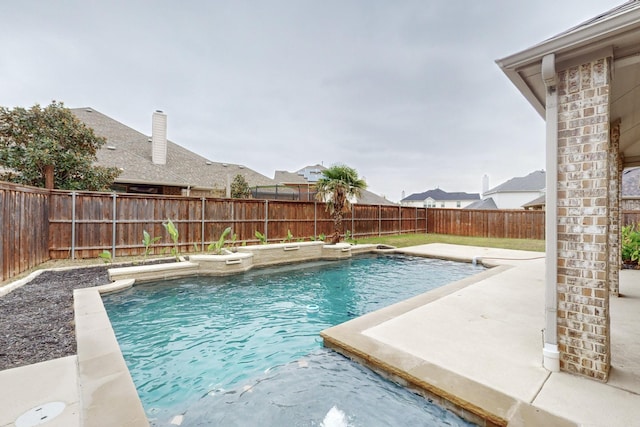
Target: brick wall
(583, 225)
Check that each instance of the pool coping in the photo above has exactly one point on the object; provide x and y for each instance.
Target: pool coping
(104, 380)
(472, 400)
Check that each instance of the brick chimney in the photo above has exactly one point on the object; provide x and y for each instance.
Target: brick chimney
(159, 138)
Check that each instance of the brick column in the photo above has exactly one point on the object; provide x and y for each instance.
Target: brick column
(615, 191)
(583, 224)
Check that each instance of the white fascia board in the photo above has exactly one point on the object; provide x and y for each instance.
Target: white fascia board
(576, 41)
(573, 44)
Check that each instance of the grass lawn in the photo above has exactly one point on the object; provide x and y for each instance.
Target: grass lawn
(421, 239)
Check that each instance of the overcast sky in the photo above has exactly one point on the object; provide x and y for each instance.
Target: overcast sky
(407, 92)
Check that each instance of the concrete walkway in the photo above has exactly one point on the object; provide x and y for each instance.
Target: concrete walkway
(478, 344)
(26, 391)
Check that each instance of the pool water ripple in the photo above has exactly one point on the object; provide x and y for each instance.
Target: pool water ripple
(183, 338)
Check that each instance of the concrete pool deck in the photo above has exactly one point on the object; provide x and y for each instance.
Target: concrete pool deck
(477, 342)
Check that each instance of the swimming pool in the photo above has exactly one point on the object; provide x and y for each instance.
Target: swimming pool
(196, 339)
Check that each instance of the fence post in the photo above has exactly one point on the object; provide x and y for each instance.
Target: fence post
(202, 199)
(315, 220)
(73, 225)
(426, 221)
(266, 220)
(233, 218)
(400, 219)
(353, 224)
(379, 220)
(113, 227)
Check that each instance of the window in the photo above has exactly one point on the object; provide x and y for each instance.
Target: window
(442, 205)
(458, 204)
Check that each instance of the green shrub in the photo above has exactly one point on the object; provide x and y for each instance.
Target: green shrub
(173, 233)
(630, 244)
(147, 241)
(261, 237)
(217, 247)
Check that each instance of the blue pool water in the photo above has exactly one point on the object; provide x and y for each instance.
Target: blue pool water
(204, 346)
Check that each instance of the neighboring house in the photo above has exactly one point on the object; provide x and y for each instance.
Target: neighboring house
(536, 204)
(630, 203)
(631, 183)
(630, 192)
(438, 198)
(303, 181)
(152, 164)
(517, 192)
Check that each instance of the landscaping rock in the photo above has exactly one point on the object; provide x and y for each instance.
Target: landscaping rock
(36, 320)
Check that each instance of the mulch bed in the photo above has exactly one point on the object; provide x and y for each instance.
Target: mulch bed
(36, 320)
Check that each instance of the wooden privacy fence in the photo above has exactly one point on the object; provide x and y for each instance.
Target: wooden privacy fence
(631, 217)
(516, 224)
(24, 214)
(38, 225)
(83, 224)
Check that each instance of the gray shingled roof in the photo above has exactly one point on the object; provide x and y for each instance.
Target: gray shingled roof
(538, 201)
(631, 183)
(484, 205)
(130, 150)
(439, 194)
(535, 181)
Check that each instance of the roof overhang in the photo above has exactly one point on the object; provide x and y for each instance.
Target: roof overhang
(616, 34)
(159, 183)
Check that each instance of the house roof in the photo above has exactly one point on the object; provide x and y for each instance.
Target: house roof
(130, 151)
(535, 181)
(631, 183)
(484, 204)
(311, 174)
(306, 175)
(441, 195)
(538, 201)
(614, 33)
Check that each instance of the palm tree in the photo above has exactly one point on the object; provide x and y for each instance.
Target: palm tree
(336, 187)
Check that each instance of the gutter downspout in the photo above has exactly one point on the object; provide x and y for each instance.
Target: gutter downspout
(551, 355)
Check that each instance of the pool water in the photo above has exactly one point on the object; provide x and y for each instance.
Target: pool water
(199, 339)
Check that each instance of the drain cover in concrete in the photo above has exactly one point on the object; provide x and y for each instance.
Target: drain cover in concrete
(40, 414)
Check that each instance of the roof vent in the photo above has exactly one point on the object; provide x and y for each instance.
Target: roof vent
(225, 165)
(111, 147)
(208, 162)
(241, 166)
(89, 110)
